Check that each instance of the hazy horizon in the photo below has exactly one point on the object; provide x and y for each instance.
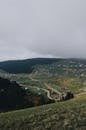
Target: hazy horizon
(40, 58)
(35, 28)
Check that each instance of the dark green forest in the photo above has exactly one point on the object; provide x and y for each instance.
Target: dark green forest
(14, 96)
(25, 66)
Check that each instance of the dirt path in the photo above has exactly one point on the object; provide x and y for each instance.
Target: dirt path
(48, 93)
(80, 94)
(33, 79)
(54, 90)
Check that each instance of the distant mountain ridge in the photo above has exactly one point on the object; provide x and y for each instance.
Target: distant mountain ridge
(25, 66)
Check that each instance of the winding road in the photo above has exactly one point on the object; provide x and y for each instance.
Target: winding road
(48, 88)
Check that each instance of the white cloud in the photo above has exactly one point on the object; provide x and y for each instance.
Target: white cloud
(35, 28)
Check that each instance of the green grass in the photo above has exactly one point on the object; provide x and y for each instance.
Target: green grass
(69, 115)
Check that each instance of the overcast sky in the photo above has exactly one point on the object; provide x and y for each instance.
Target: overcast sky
(42, 28)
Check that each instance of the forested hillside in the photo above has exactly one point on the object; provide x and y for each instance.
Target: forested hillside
(25, 66)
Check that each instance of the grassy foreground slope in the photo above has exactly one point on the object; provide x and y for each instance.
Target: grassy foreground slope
(69, 115)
